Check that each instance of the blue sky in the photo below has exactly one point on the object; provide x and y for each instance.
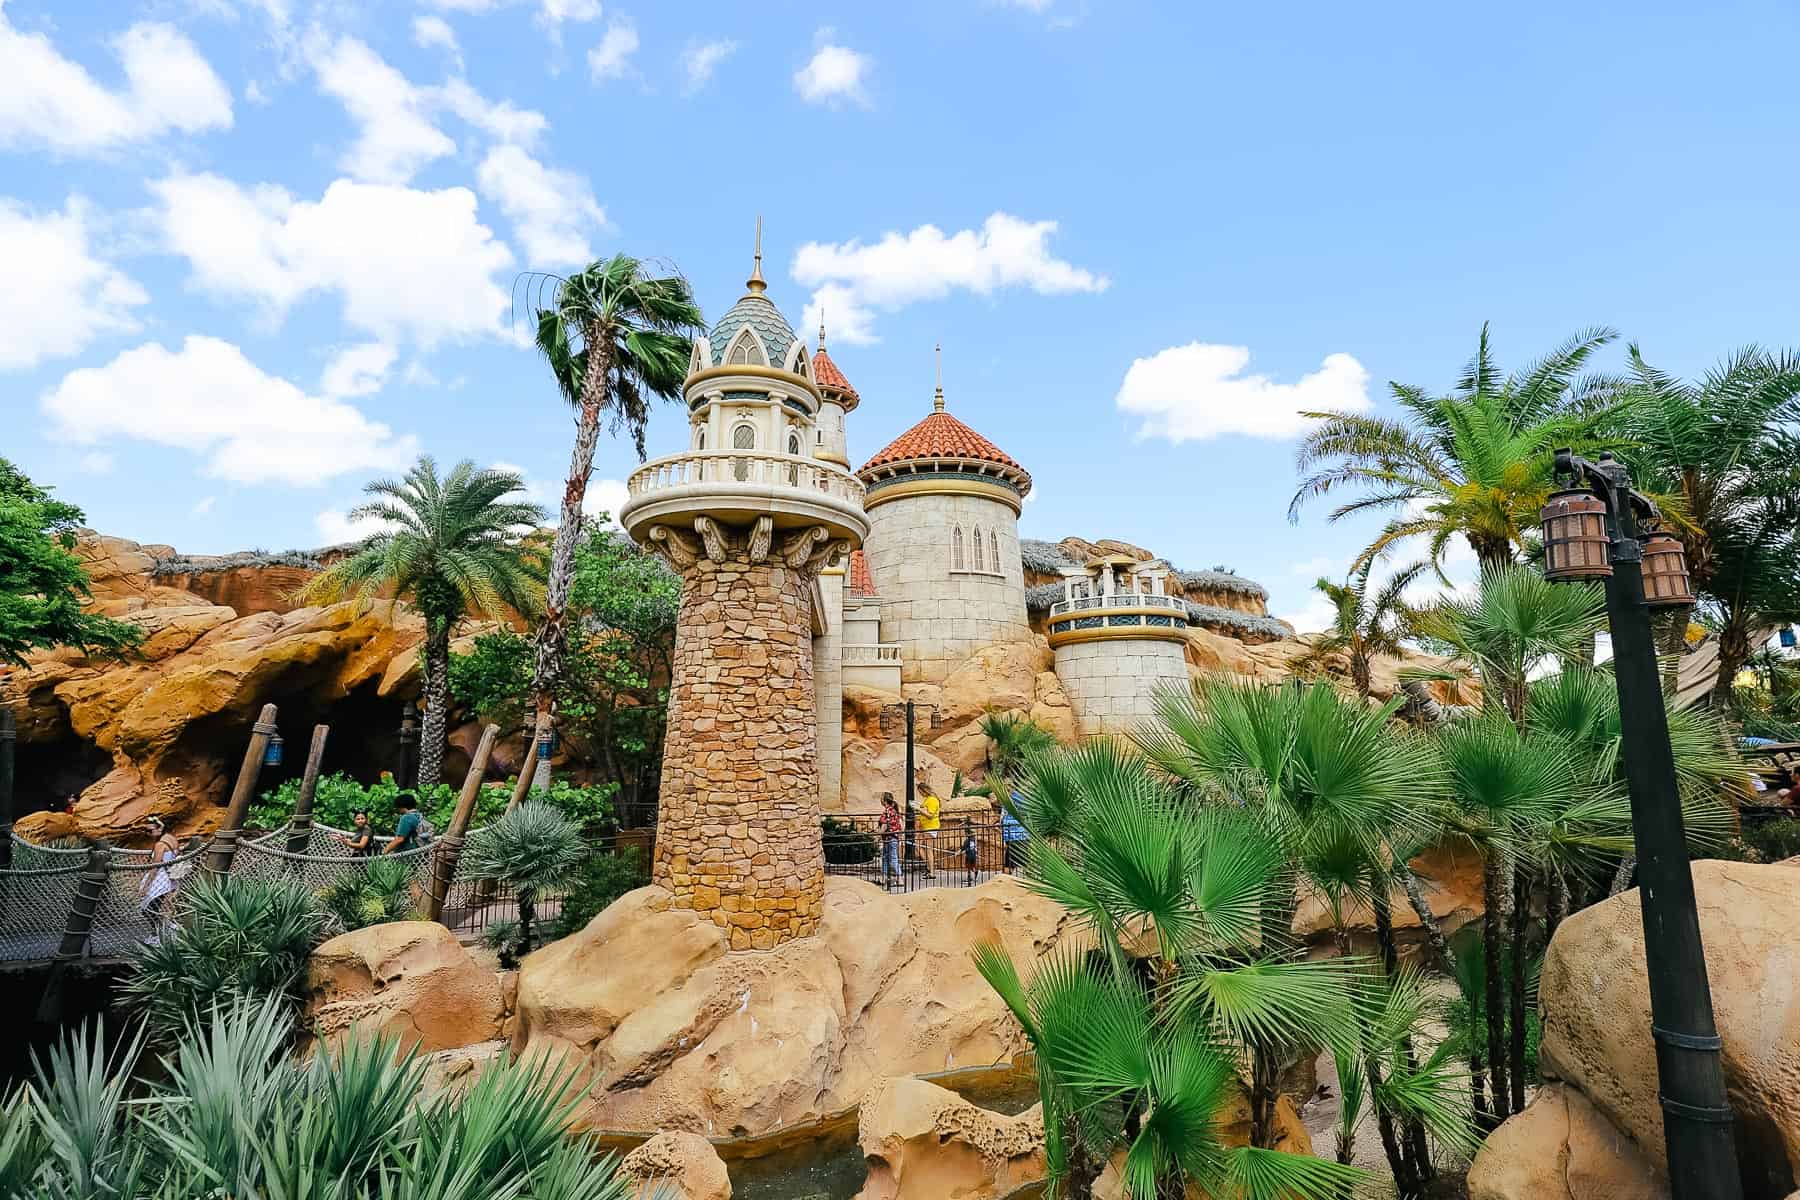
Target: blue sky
(258, 252)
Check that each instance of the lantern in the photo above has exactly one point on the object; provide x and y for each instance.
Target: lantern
(1787, 640)
(1575, 540)
(547, 743)
(272, 752)
(1666, 582)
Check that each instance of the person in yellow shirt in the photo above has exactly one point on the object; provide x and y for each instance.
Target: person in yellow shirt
(929, 822)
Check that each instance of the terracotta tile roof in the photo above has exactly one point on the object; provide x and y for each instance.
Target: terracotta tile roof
(941, 435)
(861, 582)
(827, 375)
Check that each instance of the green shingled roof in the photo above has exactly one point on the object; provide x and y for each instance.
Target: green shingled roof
(759, 312)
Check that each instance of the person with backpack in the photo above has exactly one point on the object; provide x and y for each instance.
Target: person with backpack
(409, 830)
(889, 824)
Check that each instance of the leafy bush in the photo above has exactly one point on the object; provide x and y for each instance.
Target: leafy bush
(1773, 839)
(234, 1114)
(382, 892)
(230, 939)
(844, 843)
(337, 798)
(603, 878)
(532, 849)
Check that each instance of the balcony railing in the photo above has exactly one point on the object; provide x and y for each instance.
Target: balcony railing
(746, 467)
(872, 654)
(1064, 608)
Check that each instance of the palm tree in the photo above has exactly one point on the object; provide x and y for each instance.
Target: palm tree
(1136, 1042)
(1013, 738)
(1476, 463)
(615, 337)
(453, 548)
(1362, 628)
(532, 849)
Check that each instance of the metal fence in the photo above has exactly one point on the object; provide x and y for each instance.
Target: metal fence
(962, 852)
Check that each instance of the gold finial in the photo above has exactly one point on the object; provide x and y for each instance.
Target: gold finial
(937, 403)
(756, 283)
(821, 331)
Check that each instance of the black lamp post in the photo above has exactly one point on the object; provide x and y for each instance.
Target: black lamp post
(1591, 532)
(409, 745)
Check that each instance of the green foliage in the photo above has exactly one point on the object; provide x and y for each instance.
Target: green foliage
(232, 1113)
(1761, 841)
(845, 844)
(602, 879)
(532, 849)
(1013, 738)
(381, 892)
(337, 797)
(42, 584)
(1363, 626)
(229, 939)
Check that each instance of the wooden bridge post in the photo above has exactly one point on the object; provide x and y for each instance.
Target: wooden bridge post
(224, 847)
(9, 740)
(300, 827)
(78, 928)
(450, 845)
(528, 768)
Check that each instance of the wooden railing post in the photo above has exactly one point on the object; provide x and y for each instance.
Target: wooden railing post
(78, 928)
(224, 847)
(450, 844)
(9, 739)
(528, 768)
(300, 827)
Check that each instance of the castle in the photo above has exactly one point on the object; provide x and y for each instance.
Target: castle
(911, 562)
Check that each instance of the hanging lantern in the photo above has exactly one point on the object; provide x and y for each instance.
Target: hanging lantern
(547, 743)
(272, 753)
(1666, 582)
(1787, 637)
(1575, 541)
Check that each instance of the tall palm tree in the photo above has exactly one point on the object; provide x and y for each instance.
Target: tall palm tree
(453, 548)
(616, 337)
(1362, 626)
(1475, 463)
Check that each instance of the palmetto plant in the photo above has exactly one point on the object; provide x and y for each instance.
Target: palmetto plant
(1362, 626)
(1137, 1042)
(232, 1113)
(1474, 464)
(616, 336)
(382, 891)
(1012, 739)
(452, 546)
(532, 849)
(230, 938)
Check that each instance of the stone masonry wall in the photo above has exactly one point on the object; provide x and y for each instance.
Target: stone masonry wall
(940, 616)
(738, 835)
(1112, 685)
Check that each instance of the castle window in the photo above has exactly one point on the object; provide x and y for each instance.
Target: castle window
(977, 548)
(746, 350)
(793, 468)
(994, 546)
(700, 438)
(956, 549)
(742, 438)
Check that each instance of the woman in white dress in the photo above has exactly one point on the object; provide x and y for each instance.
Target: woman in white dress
(156, 885)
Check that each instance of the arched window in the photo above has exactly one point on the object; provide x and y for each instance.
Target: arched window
(794, 449)
(793, 443)
(977, 548)
(742, 438)
(746, 349)
(956, 549)
(994, 548)
(700, 438)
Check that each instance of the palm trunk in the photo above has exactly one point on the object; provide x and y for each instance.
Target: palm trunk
(1521, 916)
(1622, 877)
(437, 706)
(1556, 904)
(1362, 675)
(1734, 652)
(552, 637)
(1497, 900)
(1419, 700)
(1434, 932)
(1265, 1065)
(1416, 1149)
(1671, 642)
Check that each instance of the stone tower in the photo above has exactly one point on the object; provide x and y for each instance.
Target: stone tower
(1119, 638)
(943, 546)
(749, 516)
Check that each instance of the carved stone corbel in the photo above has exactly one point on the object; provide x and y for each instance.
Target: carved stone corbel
(827, 554)
(762, 533)
(798, 547)
(675, 546)
(718, 545)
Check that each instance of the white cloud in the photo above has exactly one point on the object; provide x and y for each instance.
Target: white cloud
(611, 58)
(551, 210)
(603, 495)
(97, 462)
(700, 61)
(58, 295)
(358, 370)
(1199, 391)
(52, 101)
(853, 280)
(396, 135)
(435, 32)
(404, 262)
(500, 119)
(834, 73)
(550, 13)
(208, 398)
(203, 506)
(336, 527)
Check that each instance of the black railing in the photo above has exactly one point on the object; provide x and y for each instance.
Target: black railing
(960, 853)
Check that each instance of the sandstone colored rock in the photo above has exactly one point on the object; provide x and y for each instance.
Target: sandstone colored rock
(677, 1166)
(411, 980)
(1450, 874)
(673, 1033)
(1560, 1148)
(924, 1142)
(871, 768)
(1596, 1008)
(1000, 676)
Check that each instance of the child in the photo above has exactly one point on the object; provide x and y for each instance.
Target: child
(971, 851)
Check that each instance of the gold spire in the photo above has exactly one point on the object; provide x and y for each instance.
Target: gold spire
(821, 331)
(756, 283)
(937, 403)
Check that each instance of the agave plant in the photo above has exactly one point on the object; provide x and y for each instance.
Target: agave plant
(234, 1114)
(532, 849)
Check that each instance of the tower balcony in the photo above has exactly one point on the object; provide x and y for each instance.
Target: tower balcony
(1120, 615)
(738, 486)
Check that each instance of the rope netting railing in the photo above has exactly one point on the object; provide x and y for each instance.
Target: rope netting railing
(32, 856)
(34, 908)
(138, 897)
(332, 866)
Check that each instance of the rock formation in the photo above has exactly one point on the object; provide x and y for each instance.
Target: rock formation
(1596, 1008)
(411, 980)
(924, 1142)
(691, 1037)
(677, 1166)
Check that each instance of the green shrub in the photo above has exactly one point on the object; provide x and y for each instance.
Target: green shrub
(337, 798)
(603, 878)
(382, 892)
(845, 844)
(1773, 839)
(533, 849)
